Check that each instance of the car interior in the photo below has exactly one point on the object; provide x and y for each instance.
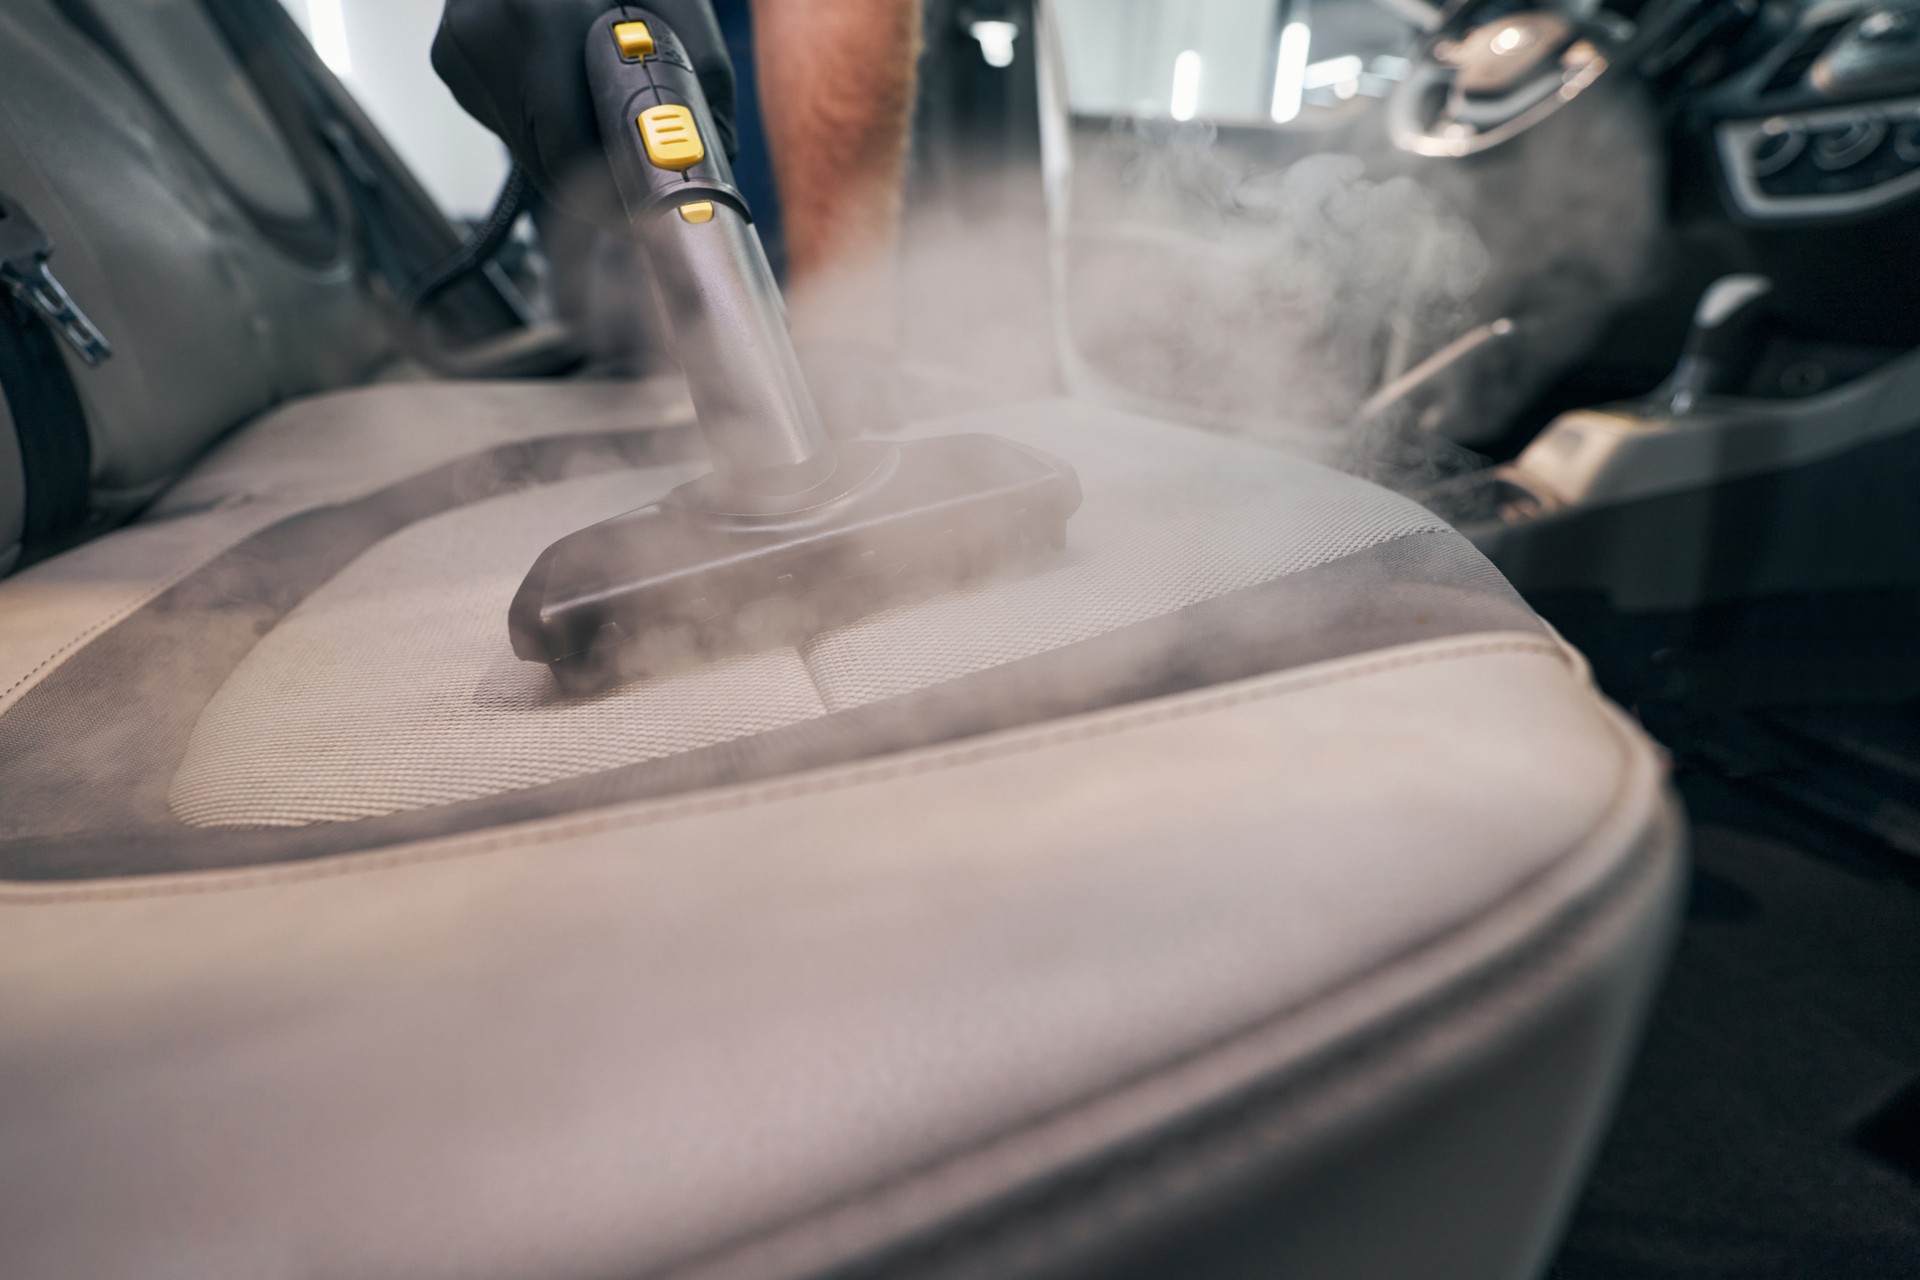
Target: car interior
(1354, 719)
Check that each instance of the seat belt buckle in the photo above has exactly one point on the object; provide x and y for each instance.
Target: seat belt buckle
(24, 250)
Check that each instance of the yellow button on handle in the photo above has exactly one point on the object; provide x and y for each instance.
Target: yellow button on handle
(673, 140)
(697, 211)
(634, 39)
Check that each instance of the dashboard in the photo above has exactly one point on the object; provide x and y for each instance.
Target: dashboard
(1827, 125)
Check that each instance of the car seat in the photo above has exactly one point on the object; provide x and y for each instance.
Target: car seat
(1259, 889)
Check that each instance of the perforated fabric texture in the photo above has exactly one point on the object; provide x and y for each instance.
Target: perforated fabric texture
(392, 687)
(1171, 517)
(323, 450)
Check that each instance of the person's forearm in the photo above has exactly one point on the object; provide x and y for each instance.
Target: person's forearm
(836, 93)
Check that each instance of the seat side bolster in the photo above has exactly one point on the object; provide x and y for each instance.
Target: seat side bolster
(747, 1009)
(1376, 1130)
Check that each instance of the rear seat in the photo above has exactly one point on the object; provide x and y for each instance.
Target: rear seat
(1260, 889)
(184, 227)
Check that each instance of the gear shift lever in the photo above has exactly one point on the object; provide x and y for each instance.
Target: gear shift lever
(791, 533)
(1720, 342)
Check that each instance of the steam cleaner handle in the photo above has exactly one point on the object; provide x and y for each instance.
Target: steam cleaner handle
(514, 65)
(725, 319)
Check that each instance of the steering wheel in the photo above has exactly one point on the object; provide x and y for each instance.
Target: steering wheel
(1469, 92)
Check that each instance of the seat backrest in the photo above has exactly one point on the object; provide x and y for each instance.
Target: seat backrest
(183, 223)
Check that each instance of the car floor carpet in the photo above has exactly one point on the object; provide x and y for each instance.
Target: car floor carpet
(1771, 1127)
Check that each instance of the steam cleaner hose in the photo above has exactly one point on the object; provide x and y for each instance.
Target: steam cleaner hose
(486, 241)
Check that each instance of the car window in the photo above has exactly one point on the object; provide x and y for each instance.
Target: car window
(1232, 61)
(379, 48)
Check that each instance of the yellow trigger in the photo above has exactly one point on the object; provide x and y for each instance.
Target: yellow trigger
(673, 140)
(634, 39)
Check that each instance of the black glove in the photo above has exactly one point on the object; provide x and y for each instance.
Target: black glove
(519, 68)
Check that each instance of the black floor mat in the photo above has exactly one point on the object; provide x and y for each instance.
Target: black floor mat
(1770, 1129)
(1893, 1132)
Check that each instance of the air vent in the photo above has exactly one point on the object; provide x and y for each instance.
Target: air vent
(1794, 70)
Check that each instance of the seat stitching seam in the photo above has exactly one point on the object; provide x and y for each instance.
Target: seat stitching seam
(787, 788)
(18, 893)
(122, 612)
(117, 615)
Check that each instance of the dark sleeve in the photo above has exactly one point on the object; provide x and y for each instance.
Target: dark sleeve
(518, 67)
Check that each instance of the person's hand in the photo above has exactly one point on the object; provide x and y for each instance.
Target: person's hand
(519, 68)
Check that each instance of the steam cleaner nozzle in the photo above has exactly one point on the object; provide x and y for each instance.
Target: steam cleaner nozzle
(791, 533)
